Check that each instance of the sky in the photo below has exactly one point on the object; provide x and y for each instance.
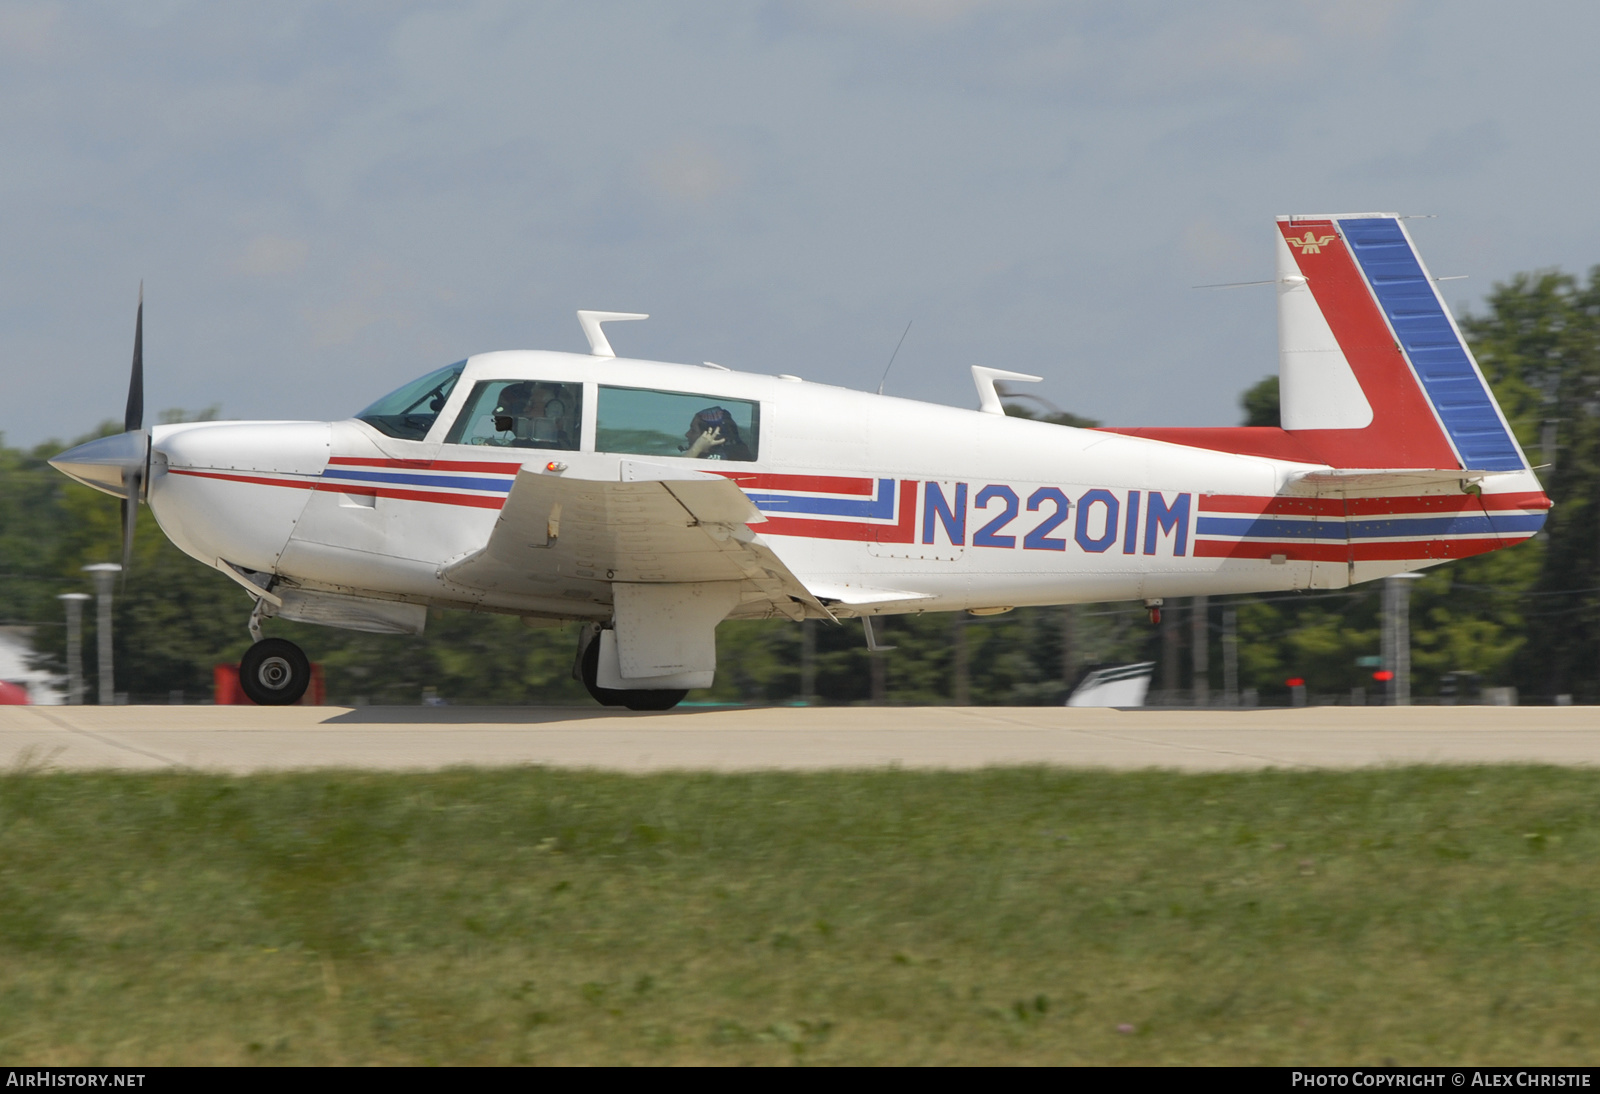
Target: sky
(324, 201)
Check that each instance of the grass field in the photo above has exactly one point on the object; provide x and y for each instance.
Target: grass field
(1418, 915)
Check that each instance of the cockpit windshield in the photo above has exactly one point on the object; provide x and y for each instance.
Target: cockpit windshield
(411, 411)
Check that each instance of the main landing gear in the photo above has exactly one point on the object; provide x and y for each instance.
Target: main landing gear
(648, 699)
(274, 672)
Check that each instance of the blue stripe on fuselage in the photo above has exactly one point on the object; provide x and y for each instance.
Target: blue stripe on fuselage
(391, 478)
(879, 508)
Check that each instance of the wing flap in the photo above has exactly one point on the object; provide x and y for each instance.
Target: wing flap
(557, 532)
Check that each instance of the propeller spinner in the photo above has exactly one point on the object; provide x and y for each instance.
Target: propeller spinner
(119, 464)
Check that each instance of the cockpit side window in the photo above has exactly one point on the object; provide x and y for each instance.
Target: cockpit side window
(675, 423)
(411, 411)
(520, 414)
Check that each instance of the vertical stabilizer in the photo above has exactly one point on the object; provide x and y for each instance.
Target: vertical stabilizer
(1373, 370)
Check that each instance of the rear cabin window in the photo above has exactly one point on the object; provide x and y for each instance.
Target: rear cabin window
(520, 414)
(639, 421)
(411, 411)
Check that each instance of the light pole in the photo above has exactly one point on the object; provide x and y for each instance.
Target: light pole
(74, 602)
(808, 662)
(1397, 635)
(105, 573)
(1230, 657)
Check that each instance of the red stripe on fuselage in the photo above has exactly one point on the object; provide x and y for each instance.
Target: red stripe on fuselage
(470, 500)
(804, 484)
(431, 465)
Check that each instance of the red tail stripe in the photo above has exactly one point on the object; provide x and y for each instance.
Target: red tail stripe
(1300, 552)
(1450, 503)
(1359, 552)
(1276, 506)
(1334, 507)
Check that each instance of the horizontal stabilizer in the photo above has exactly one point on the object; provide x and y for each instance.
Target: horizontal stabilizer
(857, 596)
(1367, 482)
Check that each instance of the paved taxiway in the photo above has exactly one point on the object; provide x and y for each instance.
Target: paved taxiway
(242, 739)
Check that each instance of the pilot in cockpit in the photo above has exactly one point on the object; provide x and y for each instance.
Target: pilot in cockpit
(531, 415)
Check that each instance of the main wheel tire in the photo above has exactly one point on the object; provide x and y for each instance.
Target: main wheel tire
(589, 668)
(657, 699)
(652, 699)
(274, 672)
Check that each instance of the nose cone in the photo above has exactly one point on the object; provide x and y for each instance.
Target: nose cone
(107, 463)
(234, 490)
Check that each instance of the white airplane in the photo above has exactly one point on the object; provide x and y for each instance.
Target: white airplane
(651, 500)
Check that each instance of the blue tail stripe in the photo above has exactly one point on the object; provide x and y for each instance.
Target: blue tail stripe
(1372, 527)
(1451, 383)
(1268, 528)
(1388, 527)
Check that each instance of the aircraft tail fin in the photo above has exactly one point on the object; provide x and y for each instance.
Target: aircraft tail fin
(1373, 371)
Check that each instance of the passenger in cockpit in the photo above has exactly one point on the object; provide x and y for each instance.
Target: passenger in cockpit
(714, 435)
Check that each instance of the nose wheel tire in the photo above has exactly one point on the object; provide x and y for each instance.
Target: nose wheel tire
(274, 672)
(650, 699)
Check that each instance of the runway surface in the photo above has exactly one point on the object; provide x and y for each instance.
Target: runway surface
(244, 739)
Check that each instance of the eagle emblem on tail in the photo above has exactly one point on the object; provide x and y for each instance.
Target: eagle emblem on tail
(1312, 244)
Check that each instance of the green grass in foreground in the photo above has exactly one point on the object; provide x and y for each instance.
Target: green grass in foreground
(1418, 915)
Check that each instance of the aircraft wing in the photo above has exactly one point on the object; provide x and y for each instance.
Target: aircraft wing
(656, 525)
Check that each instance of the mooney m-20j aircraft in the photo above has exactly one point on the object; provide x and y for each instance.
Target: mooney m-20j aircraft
(651, 501)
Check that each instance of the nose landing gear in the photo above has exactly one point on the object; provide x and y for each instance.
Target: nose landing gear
(274, 672)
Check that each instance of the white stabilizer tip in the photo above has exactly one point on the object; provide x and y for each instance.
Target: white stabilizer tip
(988, 397)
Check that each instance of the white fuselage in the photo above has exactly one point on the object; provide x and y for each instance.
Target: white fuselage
(877, 504)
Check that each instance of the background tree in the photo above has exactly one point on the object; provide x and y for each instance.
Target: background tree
(1260, 403)
(1539, 345)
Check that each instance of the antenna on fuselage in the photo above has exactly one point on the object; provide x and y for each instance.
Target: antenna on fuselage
(895, 354)
(591, 320)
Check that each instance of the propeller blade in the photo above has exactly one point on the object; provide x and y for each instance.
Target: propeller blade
(133, 417)
(133, 483)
